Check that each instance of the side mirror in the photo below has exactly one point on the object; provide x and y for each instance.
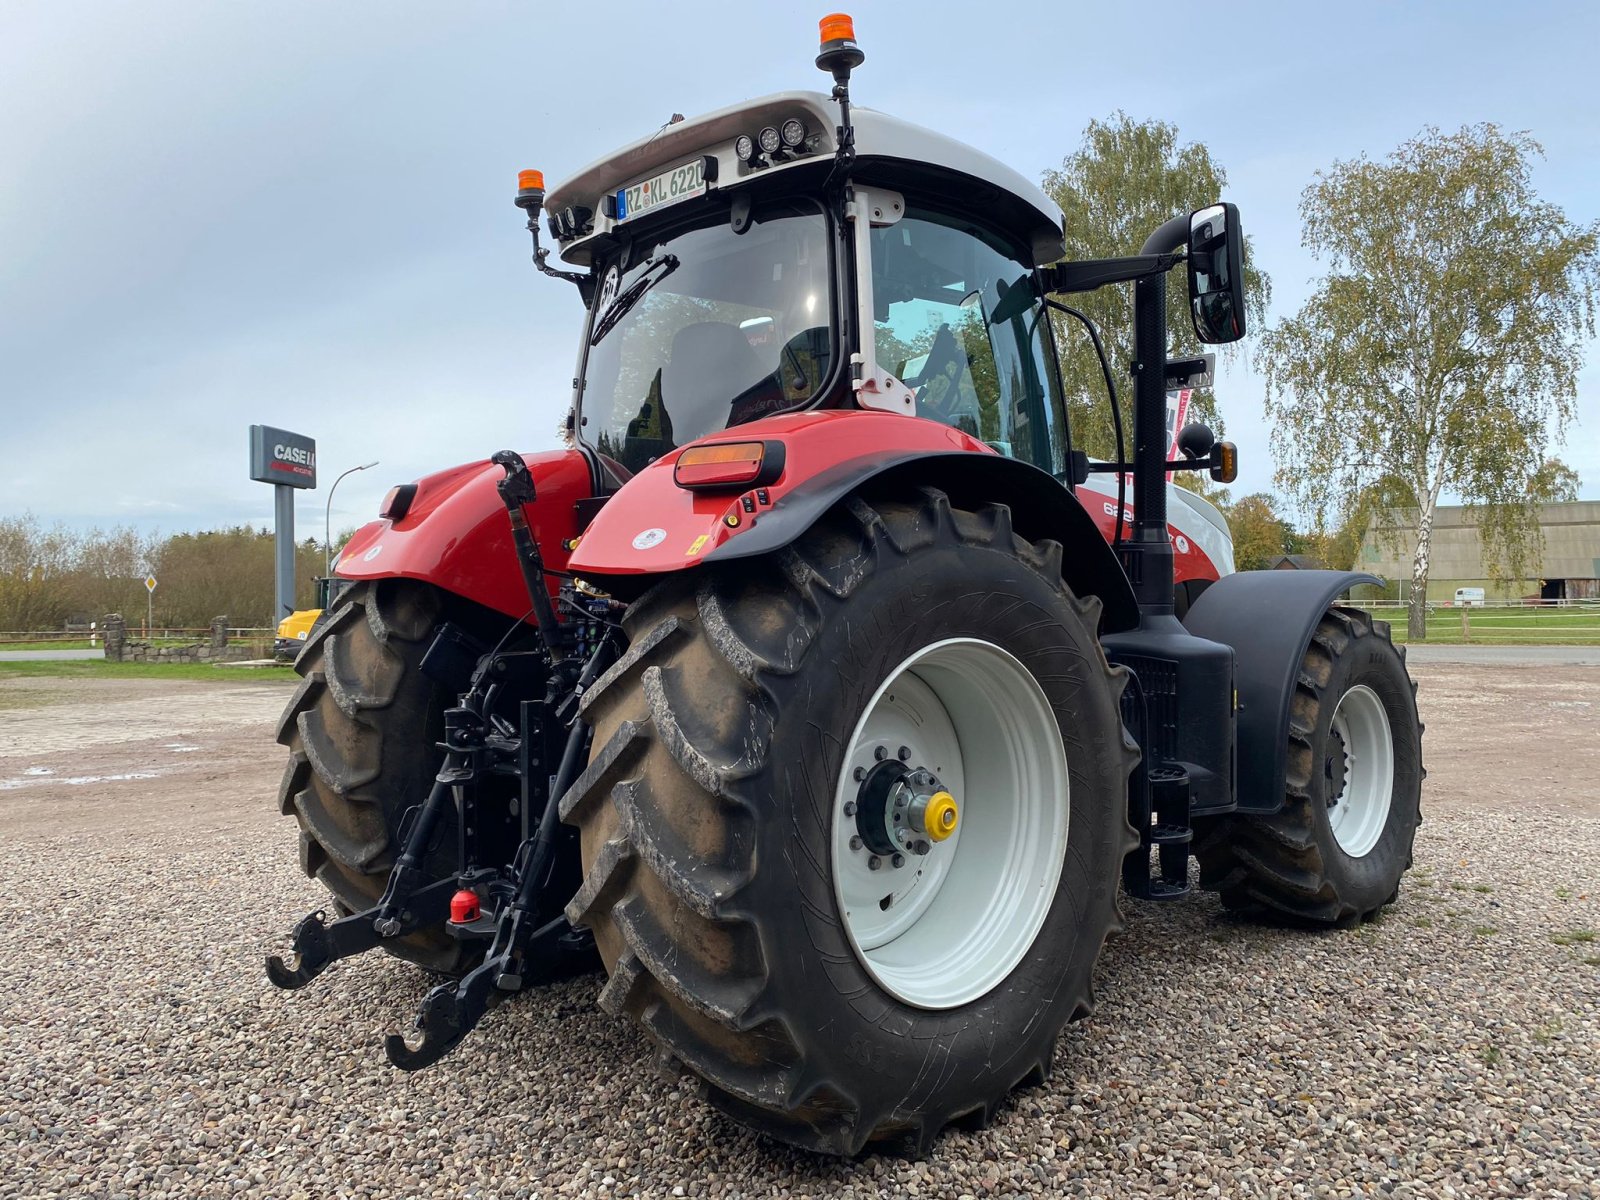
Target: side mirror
(1216, 273)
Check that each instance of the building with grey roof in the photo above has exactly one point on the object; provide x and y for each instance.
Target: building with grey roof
(1567, 561)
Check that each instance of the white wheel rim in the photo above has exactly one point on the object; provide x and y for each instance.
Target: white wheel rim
(1359, 809)
(949, 925)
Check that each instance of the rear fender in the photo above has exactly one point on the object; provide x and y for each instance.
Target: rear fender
(457, 535)
(653, 527)
(1268, 618)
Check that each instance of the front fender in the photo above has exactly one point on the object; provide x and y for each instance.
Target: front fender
(1268, 618)
(653, 527)
(456, 534)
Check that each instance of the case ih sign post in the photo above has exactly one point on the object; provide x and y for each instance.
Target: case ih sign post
(287, 461)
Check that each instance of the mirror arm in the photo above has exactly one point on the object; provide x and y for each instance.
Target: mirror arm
(1092, 273)
(1204, 463)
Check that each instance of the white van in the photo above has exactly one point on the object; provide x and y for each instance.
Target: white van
(1468, 596)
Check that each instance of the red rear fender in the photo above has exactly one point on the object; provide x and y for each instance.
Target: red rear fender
(456, 533)
(653, 526)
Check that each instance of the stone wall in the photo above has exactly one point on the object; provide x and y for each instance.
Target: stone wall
(121, 648)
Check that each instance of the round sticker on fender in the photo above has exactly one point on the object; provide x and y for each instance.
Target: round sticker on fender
(647, 538)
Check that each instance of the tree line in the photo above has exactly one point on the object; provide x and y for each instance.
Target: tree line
(53, 576)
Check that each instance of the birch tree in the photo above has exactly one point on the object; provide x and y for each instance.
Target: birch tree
(1440, 353)
(1122, 182)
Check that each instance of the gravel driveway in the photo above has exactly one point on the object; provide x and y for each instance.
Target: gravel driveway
(1452, 1049)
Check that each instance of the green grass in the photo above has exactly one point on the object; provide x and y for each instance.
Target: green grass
(1503, 626)
(83, 644)
(1484, 931)
(1491, 1056)
(100, 669)
(1563, 893)
(1546, 1033)
(1573, 937)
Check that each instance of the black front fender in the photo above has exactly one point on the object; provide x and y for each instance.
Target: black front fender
(1268, 618)
(1041, 507)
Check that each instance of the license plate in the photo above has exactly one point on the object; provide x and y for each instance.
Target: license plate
(669, 187)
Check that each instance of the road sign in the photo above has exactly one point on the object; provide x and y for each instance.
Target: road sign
(149, 583)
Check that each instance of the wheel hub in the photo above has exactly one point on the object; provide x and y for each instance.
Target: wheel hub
(1337, 765)
(902, 809)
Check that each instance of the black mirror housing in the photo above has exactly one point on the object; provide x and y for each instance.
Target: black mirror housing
(1195, 440)
(1216, 273)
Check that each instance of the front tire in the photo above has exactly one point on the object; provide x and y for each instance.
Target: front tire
(1335, 853)
(710, 815)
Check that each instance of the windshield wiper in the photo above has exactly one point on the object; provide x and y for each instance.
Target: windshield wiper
(654, 272)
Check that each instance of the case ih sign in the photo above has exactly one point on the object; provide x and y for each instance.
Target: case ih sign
(278, 456)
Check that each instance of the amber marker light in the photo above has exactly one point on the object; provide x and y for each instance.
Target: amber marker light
(530, 193)
(837, 27)
(721, 464)
(1225, 462)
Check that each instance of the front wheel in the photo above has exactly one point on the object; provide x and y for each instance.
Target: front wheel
(854, 820)
(1335, 852)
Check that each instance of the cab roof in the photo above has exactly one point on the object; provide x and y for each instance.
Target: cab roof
(887, 149)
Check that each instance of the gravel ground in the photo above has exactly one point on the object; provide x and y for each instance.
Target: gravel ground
(1449, 1050)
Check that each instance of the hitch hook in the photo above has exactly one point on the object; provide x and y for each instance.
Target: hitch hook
(309, 957)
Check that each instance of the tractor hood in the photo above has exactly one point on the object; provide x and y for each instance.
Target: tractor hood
(888, 150)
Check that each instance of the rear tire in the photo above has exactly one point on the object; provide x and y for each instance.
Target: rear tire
(708, 814)
(1334, 854)
(362, 732)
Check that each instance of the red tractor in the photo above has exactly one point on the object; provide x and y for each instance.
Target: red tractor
(815, 687)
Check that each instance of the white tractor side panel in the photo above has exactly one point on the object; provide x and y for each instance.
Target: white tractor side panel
(1189, 516)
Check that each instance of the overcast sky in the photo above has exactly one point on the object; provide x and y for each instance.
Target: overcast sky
(300, 213)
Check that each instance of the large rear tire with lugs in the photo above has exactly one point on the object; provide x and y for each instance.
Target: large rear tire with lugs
(772, 723)
(362, 732)
(1335, 852)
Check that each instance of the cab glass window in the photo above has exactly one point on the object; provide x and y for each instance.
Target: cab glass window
(697, 328)
(957, 322)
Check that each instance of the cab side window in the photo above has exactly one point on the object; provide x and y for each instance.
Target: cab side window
(952, 324)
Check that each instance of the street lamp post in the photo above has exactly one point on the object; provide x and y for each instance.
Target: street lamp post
(327, 516)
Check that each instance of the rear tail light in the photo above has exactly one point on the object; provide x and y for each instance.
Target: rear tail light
(729, 464)
(397, 502)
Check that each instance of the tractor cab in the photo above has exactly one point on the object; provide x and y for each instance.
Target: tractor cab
(728, 272)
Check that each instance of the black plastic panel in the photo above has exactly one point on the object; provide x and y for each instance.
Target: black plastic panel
(1268, 618)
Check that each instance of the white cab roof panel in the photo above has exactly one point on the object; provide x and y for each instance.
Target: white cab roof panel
(878, 136)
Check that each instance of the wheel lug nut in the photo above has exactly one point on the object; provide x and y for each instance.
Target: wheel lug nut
(856, 843)
(859, 774)
(881, 753)
(905, 753)
(874, 863)
(899, 860)
(849, 808)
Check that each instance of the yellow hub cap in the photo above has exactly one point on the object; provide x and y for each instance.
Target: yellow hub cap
(941, 816)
